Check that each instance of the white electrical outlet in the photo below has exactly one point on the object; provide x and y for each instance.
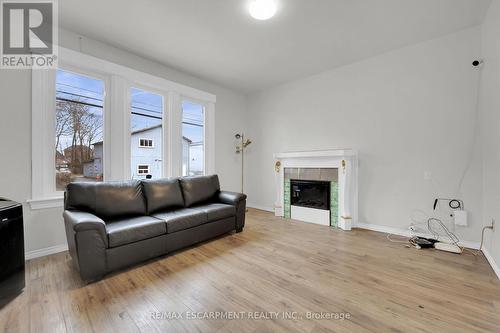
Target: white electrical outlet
(427, 175)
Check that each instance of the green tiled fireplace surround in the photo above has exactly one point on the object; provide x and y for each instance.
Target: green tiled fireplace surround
(286, 196)
(334, 203)
(323, 174)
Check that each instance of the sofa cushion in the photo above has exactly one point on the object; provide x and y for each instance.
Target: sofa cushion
(107, 200)
(162, 194)
(217, 211)
(182, 219)
(80, 196)
(115, 199)
(130, 230)
(199, 189)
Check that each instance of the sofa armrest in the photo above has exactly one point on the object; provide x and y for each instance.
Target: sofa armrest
(239, 201)
(87, 243)
(231, 198)
(83, 221)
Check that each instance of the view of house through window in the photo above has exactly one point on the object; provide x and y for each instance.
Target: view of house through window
(143, 169)
(78, 128)
(193, 151)
(146, 134)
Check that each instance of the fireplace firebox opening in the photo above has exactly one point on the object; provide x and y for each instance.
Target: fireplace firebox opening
(310, 194)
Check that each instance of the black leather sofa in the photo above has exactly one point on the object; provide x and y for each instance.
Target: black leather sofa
(113, 225)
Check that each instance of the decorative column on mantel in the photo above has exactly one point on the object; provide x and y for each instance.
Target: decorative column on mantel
(345, 201)
(344, 160)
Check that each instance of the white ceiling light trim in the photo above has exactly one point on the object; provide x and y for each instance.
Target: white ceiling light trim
(262, 9)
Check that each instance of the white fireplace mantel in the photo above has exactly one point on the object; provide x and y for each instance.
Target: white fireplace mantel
(345, 160)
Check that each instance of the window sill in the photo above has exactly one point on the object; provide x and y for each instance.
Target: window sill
(46, 203)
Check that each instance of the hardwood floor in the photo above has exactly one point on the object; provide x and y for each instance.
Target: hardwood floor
(274, 265)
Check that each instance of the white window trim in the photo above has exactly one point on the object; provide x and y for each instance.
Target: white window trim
(208, 135)
(166, 124)
(144, 139)
(143, 165)
(117, 122)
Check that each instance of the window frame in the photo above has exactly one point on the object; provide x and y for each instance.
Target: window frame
(165, 138)
(205, 136)
(105, 112)
(148, 141)
(116, 162)
(146, 146)
(142, 165)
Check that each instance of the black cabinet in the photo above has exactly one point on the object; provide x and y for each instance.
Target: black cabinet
(11, 250)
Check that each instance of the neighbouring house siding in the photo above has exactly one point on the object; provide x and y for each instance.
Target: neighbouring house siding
(89, 169)
(151, 156)
(94, 168)
(196, 158)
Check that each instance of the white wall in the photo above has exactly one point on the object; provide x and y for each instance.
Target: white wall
(407, 111)
(490, 130)
(44, 228)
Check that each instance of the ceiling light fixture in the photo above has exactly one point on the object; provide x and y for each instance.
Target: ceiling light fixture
(262, 9)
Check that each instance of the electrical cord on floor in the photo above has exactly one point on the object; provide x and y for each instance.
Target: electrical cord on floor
(482, 236)
(430, 221)
(395, 241)
(453, 238)
(412, 241)
(478, 251)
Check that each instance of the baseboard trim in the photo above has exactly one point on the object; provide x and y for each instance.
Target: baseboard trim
(407, 233)
(491, 261)
(264, 208)
(45, 251)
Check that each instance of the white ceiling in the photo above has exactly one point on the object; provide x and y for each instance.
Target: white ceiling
(219, 41)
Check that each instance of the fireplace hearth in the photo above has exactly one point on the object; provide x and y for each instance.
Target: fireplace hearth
(310, 194)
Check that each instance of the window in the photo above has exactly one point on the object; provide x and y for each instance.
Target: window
(143, 169)
(83, 117)
(79, 128)
(193, 138)
(145, 143)
(146, 127)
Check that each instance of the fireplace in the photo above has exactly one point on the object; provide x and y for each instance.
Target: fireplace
(310, 194)
(337, 167)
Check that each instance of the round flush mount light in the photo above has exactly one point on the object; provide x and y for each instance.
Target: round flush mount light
(262, 9)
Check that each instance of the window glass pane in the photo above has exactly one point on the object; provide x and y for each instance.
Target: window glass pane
(146, 134)
(193, 151)
(79, 128)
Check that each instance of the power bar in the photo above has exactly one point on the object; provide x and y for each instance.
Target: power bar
(447, 247)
